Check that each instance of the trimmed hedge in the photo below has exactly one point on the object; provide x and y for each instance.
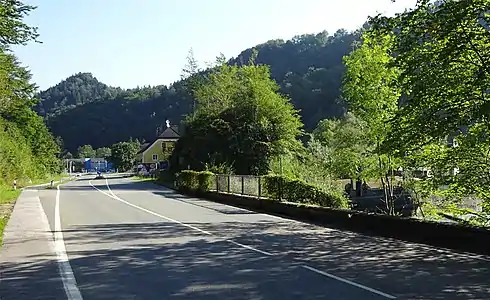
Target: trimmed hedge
(195, 181)
(296, 190)
(279, 188)
(205, 181)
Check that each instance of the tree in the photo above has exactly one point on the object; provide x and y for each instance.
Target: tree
(13, 30)
(123, 154)
(103, 152)
(371, 90)
(86, 151)
(240, 120)
(308, 70)
(443, 54)
(343, 145)
(27, 148)
(192, 66)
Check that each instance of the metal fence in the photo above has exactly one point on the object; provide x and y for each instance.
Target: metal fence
(247, 185)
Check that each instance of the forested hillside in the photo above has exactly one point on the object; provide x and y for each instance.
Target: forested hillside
(82, 110)
(76, 90)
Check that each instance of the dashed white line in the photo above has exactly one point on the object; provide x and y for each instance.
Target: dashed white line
(64, 267)
(348, 282)
(115, 197)
(251, 248)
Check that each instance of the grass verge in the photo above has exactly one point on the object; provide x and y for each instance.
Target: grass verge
(7, 200)
(142, 178)
(8, 196)
(55, 185)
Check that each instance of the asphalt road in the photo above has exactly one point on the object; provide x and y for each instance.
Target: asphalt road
(135, 240)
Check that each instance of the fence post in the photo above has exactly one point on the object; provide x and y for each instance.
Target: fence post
(228, 180)
(260, 186)
(280, 189)
(243, 184)
(216, 178)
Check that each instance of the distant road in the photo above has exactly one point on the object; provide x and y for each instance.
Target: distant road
(135, 240)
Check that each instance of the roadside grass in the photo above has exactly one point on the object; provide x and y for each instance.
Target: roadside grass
(63, 179)
(56, 177)
(55, 185)
(8, 196)
(142, 178)
(7, 199)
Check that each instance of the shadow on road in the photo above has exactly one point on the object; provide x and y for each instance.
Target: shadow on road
(168, 261)
(15, 276)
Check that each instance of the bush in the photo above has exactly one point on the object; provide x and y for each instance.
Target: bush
(165, 176)
(299, 191)
(189, 180)
(205, 181)
(273, 186)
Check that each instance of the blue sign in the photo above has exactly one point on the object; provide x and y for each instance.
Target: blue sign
(164, 165)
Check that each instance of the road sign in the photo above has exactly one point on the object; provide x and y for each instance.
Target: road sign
(164, 165)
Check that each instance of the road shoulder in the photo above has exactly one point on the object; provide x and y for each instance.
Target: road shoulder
(28, 258)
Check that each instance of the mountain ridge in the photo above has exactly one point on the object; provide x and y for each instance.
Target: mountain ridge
(308, 69)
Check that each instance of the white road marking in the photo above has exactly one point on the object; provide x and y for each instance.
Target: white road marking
(348, 282)
(115, 197)
(440, 250)
(251, 248)
(66, 273)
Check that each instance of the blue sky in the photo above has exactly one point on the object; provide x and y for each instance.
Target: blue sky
(128, 43)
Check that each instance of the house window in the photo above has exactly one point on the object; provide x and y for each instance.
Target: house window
(154, 156)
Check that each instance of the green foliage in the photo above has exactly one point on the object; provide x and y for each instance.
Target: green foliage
(86, 151)
(13, 30)
(187, 180)
(200, 181)
(103, 152)
(222, 168)
(442, 54)
(240, 121)
(308, 69)
(16, 158)
(206, 180)
(370, 85)
(371, 90)
(308, 164)
(165, 176)
(297, 190)
(273, 186)
(343, 146)
(27, 149)
(76, 90)
(7, 196)
(123, 154)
